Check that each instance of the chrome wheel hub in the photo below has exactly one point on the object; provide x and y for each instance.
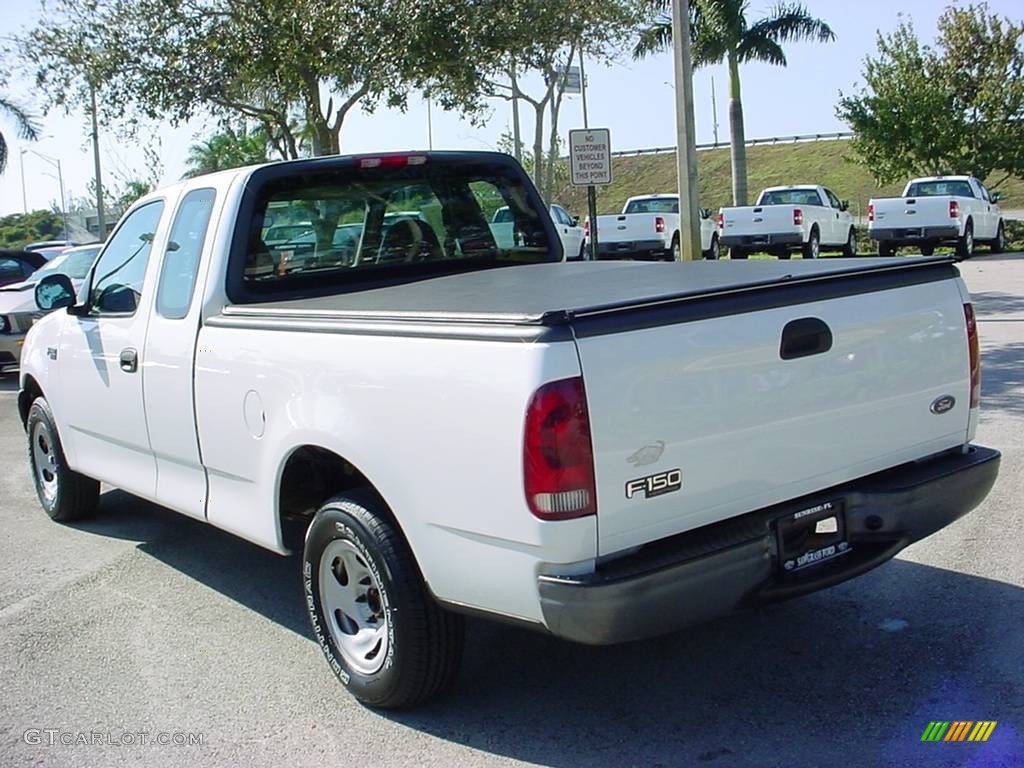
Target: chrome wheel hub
(351, 600)
(44, 461)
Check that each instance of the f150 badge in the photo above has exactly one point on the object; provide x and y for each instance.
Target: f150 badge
(655, 485)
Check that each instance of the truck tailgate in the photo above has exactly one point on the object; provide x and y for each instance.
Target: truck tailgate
(696, 417)
(755, 220)
(613, 228)
(895, 212)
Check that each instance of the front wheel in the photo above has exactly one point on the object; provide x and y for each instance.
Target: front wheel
(927, 250)
(884, 249)
(999, 244)
(965, 243)
(381, 631)
(812, 248)
(850, 249)
(64, 494)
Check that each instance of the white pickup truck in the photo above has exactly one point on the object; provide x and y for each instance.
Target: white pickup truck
(806, 219)
(938, 210)
(648, 228)
(603, 451)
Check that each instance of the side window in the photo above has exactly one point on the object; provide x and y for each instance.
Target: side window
(11, 270)
(184, 247)
(562, 216)
(833, 200)
(121, 270)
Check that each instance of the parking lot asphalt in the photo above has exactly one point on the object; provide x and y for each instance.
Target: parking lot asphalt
(142, 626)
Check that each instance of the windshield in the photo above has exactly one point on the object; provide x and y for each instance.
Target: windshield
(653, 205)
(434, 215)
(939, 189)
(75, 265)
(790, 197)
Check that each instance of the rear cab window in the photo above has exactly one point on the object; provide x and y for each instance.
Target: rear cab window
(320, 227)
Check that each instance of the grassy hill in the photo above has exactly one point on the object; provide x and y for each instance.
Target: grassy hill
(822, 162)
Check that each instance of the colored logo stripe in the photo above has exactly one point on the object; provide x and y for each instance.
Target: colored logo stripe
(958, 730)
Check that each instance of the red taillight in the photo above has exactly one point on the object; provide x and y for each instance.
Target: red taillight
(586, 228)
(558, 460)
(659, 224)
(954, 209)
(975, 355)
(392, 161)
(798, 217)
(871, 213)
(721, 220)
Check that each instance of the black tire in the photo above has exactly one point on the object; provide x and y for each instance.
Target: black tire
(583, 252)
(850, 248)
(965, 243)
(886, 250)
(423, 641)
(713, 251)
(785, 255)
(927, 250)
(812, 248)
(675, 254)
(738, 253)
(999, 244)
(64, 494)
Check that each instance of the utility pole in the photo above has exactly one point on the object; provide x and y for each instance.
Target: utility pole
(686, 138)
(517, 140)
(591, 190)
(430, 127)
(714, 111)
(101, 217)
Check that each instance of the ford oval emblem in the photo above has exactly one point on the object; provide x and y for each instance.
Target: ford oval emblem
(943, 404)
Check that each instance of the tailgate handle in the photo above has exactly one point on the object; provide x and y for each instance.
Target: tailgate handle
(804, 337)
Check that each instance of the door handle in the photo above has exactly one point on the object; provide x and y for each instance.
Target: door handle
(804, 337)
(129, 360)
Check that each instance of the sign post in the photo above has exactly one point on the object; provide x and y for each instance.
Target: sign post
(590, 160)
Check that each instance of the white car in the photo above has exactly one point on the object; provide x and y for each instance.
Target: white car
(648, 228)
(938, 210)
(600, 451)
(570, 233)
(18, 310)
(806, 219)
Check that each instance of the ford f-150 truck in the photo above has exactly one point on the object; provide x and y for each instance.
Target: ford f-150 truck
(603, 451)
(648, 228)
(806, 219)
(938, 210)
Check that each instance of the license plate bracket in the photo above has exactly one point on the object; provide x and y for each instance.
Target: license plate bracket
(811, 536)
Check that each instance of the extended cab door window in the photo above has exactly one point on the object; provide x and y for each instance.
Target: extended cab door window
(181, 257)
(118, 275)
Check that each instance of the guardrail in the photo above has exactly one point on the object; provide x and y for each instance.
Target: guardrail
(839, 136)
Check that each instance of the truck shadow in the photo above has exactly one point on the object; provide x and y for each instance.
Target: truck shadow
(862, 667)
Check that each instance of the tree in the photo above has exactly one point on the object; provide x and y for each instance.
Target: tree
(259, 60)
(24, 124)
(721, 32)
(228, 149)
(957, 107)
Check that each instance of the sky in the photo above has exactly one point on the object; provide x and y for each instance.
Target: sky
(634, 99)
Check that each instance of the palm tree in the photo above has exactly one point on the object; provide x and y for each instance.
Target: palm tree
(26, 126)
(721, 32)
(228, 149)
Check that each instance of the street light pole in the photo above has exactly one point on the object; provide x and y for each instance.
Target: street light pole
(686, 137)
(24, 198)
(60, 180)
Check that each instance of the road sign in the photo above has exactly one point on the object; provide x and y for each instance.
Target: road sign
(590, 156)
(573, 80)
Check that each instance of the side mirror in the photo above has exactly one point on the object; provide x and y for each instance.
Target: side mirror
(575, 221)
(54, 292)
(844, 205)
(997, 196)
(705, 213)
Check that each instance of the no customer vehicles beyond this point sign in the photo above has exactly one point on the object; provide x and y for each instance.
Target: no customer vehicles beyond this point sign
(590, 156)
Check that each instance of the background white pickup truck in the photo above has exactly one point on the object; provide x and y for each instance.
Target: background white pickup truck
(938, 210)
(804, 218)
(648, 228)
(603, 451)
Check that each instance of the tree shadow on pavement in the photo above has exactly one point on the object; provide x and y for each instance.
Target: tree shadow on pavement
(1002, 380)
(849, 675)
(988, 303)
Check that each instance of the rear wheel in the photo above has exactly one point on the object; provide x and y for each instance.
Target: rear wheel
(676, 249)
(383, 634)
(850, 249)
(738, 253)
(927, 250)
(713, 251)
(812, 248)
(965, 243)
(999, 244)
(64, 494)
